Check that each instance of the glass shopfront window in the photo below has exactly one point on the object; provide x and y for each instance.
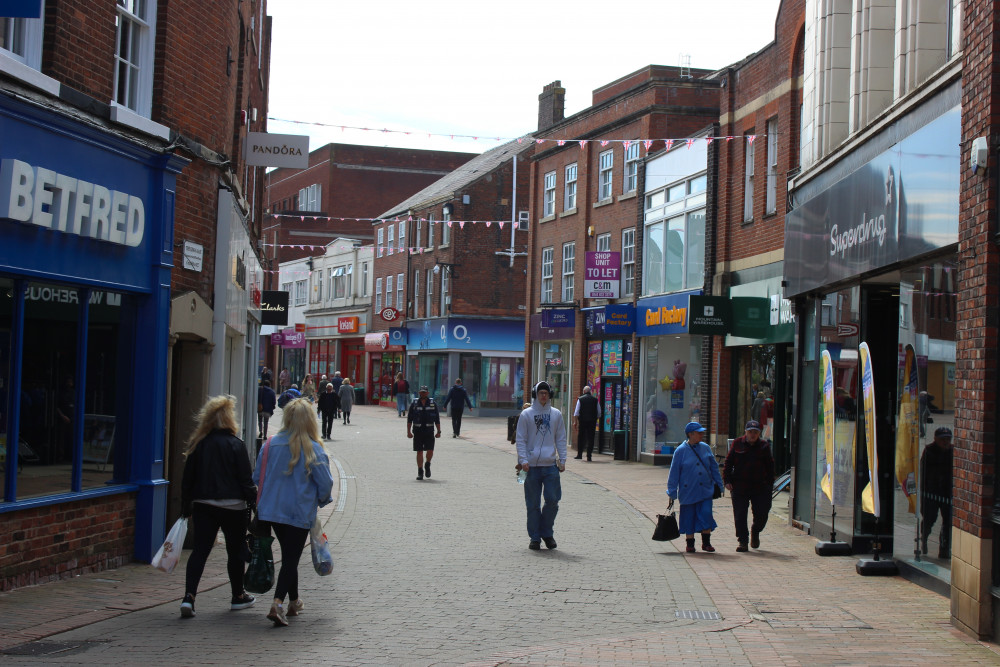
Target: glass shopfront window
(670, 372)
(493, 382)
(554, 360)
(430, 370)
(925, 408)
(52, 457)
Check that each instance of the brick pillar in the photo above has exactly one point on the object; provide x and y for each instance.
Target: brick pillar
(978, 331)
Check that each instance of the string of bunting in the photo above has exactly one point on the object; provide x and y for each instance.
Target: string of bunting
(328, 218)
(647, 143)
(320, 248)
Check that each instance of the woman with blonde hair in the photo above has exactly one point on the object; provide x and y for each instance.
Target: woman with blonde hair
(293, 472)
(216, 490)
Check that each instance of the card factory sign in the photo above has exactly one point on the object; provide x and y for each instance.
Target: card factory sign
(277, 150)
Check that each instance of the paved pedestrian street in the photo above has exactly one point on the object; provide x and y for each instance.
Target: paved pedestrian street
(437, 572)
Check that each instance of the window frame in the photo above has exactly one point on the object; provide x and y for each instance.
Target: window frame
(570, 175)
(364, 279)
(32, 35)
(661, 211)
(390, 236)
(748, 179)
(603, 242)
(631, 171)
(378, 295)
(430, 231)
(547, 268)
(302, 292)
(568, 282)
(400, 296)
(771, 189)
(145, 61)
(389, 291)
(549, 194)
(416, 292)
(445, 228)
(380, 235)
(628, 261)
(605, 175)
(429, 293)
(402, 235)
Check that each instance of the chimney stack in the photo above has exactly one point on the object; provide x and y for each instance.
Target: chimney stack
(551, 105)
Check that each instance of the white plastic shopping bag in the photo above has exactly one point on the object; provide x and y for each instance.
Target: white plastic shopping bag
(322, 559)
(168, 555)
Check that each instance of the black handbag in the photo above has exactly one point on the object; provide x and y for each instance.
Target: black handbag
(260, 573)
(666, 527)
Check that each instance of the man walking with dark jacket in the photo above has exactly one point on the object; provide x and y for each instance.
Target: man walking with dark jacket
(749, 476)
(585, 417)
(421, 420)
(328, 402)
(266, 402)
(459, 398)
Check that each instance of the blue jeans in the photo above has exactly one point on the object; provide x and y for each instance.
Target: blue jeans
(542, 482)
(400, 403)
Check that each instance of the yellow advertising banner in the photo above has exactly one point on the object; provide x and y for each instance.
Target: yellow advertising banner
(908, 430)
(828, 412)
(869, 496)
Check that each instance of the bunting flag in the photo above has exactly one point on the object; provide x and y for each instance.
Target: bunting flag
(487, 224)
(670, 143)
(751, 137)
(449, 224)
(583, 143)
(560, 142)
(501, 224)
(690, 143)
(605, 142)
(647, 143)
(461, 224)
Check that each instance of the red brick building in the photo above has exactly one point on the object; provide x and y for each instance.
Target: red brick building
(588, 198)
(138, 274)
(761, 98)
(348, 181)
(443, 260)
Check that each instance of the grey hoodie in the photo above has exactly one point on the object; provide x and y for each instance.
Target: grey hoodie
(541, 436)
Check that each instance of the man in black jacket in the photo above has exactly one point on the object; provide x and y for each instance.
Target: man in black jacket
(459, 398)
(328, 405)
(421, 420)
(749, 476)
(585, 417)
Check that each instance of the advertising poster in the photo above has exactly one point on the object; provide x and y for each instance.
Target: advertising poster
(609, 402)
(908, 430)
(613, 358)
(869, 497)
(826, 375)
(594, 364)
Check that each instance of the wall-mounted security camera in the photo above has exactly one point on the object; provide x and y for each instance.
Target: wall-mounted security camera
(979, 154)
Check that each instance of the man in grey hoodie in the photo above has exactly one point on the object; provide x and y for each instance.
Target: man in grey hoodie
(541, 452)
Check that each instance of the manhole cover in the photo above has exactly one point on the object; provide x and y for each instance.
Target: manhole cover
(807, 615)
(47, 648)
(699, 615)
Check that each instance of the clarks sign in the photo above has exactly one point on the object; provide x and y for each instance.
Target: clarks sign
(277, 150)
(274, 308)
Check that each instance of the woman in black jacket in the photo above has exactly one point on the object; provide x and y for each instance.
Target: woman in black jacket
(216, 491)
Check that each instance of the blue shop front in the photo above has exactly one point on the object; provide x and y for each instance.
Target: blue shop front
(487, 354)
(86, 219)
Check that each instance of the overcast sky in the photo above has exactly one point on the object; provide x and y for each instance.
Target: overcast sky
(476, 67)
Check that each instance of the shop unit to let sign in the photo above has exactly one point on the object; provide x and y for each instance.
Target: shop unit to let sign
(601, 279)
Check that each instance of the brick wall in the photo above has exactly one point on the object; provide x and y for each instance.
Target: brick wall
(65, 540)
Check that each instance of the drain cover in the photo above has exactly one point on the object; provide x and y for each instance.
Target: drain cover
(46, 648)
(700, 615)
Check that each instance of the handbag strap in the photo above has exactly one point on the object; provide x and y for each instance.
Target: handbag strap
(702, 461)
(263, 469)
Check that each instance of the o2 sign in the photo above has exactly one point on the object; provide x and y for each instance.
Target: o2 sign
(459, 333)
(389, 314)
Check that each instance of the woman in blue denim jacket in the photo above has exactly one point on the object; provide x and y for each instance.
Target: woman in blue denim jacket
(293, 474)
(694, 474)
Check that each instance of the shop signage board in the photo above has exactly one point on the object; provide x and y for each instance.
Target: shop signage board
(593, 321)
(389, 314)
(274, 308)
(663, 315)
(397, 336)
(901, 204)
(559, 317)
(619, 318)
(751, 316)
(263, 149)
(348, 324)
(466, 333)
(710, 315)
(293, 339)
(601, 279)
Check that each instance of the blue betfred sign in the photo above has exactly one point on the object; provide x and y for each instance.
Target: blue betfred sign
(663, 315)
(22, 9)
(466, 334)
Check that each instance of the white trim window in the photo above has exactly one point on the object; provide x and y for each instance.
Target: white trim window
(390, 240)
(388, 291)
(134, 43)
(379, 249)
(748, 182)
(416, 293)
(568, 271)
(364, 279)
(287, 287)
(418, 234)
(569, 196)
(378, 295)
(310, 198)
(399, 292)
(333, 285)
(632, 167)
(349, 280)
(771, 203)
(21, 39)
(605, 176)
(445, 283)
(430, 231)
(316, 279)
(628, 261)
(549, 195)
(339, 282)
(301, 290)
(402, 236)
(674, 241)
(604, 242)
(429, 297)
(547, 268)
(446, 227)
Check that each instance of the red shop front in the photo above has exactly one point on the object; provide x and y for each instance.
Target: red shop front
(384, 361)
(328, 355)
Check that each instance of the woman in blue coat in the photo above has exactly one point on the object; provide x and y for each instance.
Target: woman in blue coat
(694, 474)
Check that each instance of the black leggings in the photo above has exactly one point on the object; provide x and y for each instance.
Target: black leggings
(206, 521)
(292, 541)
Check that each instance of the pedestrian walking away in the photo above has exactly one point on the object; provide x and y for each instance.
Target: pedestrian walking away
(265, 374)
(422, 419)
(694, 474)
(321, 385)
(346, 399)
(266, 402)
(309, 389)
(327, 406)
(337, 381)
(284, 379)
(459, 399)
(749, 475)
(216, 490)
(541, 452)
(935, 496)
(296, 482)
(401, 390)
(585, 417)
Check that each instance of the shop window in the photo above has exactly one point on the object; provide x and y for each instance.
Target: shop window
(494, 382)
(66, 445)
(671, 368)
